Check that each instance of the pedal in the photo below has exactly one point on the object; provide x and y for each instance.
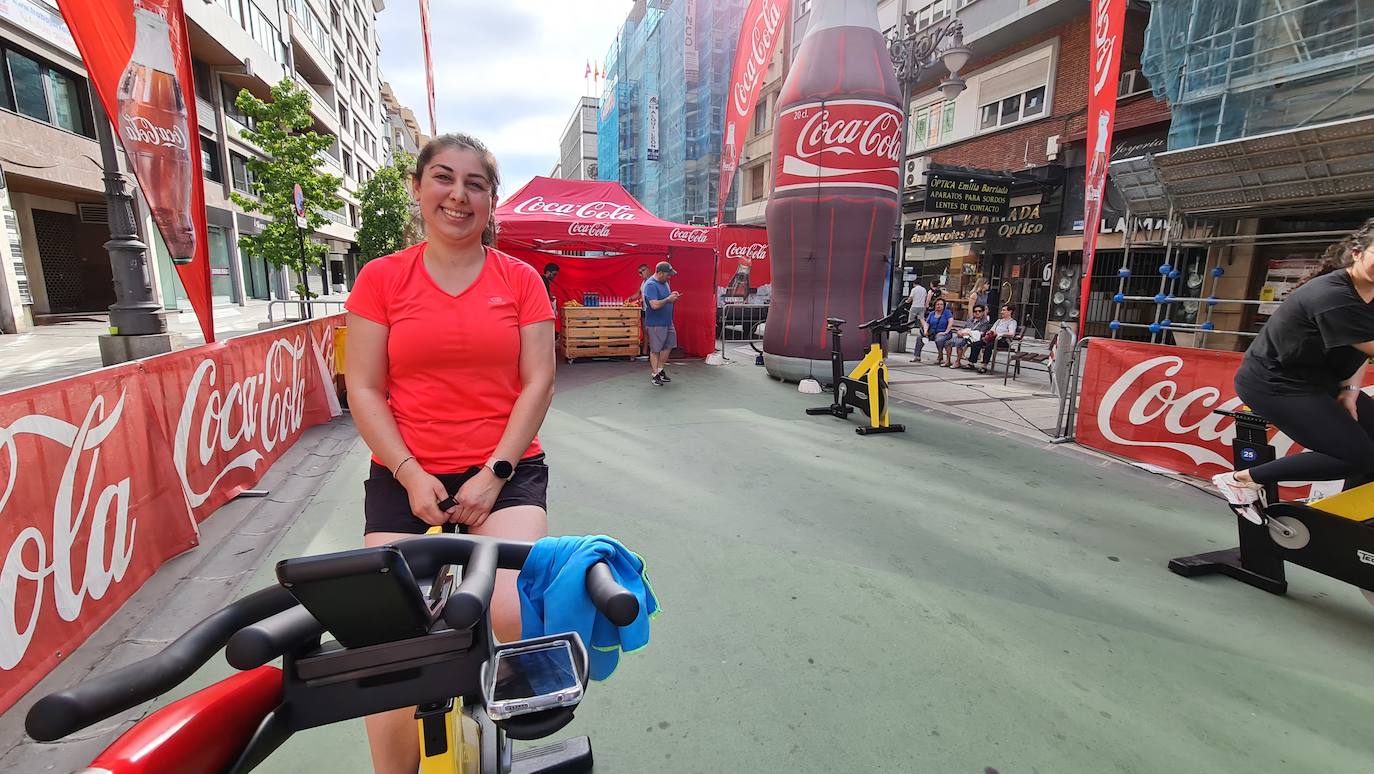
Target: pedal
(568, 756)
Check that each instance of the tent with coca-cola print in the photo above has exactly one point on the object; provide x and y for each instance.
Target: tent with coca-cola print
(549, 218)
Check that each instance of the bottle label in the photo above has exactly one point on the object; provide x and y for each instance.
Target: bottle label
(850, 143)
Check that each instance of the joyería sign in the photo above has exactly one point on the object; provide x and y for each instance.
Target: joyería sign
(104, 476)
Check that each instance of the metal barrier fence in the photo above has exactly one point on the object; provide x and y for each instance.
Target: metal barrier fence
(307, 305)
(740, 324)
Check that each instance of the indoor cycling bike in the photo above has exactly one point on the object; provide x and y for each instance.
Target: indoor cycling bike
(865, 388)
(235, 724)
(1332, 535)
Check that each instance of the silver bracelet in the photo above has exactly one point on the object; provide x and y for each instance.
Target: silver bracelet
(1351, 387)
(395, 472)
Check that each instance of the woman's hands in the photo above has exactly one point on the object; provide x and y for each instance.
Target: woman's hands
(425, 492)
(476, 497)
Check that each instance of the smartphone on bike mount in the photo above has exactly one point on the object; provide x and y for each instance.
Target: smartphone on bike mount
(534, 675)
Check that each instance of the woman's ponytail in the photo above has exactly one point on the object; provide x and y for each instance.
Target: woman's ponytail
(1342, 254)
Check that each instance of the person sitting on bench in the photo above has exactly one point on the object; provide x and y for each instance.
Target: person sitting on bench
(977, 326)
(998, 337)
(933, 324)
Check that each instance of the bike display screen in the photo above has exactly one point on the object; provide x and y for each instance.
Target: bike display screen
(537, 671)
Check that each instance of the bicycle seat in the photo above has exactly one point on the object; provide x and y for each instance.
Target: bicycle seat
(1245, 415)
(834, 322)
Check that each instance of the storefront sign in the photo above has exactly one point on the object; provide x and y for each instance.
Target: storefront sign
(37, 18)
(943, 229)
(104, 476)
(967, 195)
(651, 140)
(1154, 403)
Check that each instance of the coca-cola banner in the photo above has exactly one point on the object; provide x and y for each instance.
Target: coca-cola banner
(743, 271)
(588, 214)
(139, 63)
(1109, 18)
(1153, 403)
(229, 413)
(758, 39)
(104, 476)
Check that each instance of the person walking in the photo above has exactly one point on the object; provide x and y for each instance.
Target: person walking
(450, 375)
(658, 320)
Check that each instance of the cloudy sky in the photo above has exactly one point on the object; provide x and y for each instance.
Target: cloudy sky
(509, 72)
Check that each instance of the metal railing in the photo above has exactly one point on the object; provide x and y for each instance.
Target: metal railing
(740, 324)
(305, 306)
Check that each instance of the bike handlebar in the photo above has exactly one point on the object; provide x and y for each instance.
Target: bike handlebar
(272, 623)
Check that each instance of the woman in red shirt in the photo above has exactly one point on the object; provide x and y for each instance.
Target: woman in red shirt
(450, 373)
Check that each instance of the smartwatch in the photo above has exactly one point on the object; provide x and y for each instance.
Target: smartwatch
(503, 469)
(1350, 387)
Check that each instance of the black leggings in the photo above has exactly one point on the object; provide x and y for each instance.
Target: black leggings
(1339, 447)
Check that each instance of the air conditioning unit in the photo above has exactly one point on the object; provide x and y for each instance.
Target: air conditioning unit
(1132, 83)
(914, 176)
(1052, 147)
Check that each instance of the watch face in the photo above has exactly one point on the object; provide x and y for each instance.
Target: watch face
(502, 469)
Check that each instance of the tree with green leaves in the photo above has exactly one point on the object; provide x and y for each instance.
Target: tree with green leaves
(385, 210)
(282, 129)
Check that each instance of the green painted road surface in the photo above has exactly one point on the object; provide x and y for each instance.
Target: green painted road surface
(945, 600)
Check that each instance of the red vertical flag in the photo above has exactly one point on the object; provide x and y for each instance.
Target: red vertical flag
(758, 39)
(1109, 17)
(139, 63)
(429, 64)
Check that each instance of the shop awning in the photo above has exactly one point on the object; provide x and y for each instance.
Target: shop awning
(1328, 166)
(553, 214)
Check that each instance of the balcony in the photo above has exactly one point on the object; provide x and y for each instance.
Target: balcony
(321, 107)
(993, 25)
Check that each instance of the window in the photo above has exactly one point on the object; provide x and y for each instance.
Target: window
(343, 119)
(348, 163)
(931, 125)
(758, 182)
(232, 7)
(803, 8)
(31, 87)
(265, 33)
(209, 160)
(230, 93)
(335, 19)
(238, 169)
(1010, 110)
(932, 13)
(1016, 92)
(763, 114)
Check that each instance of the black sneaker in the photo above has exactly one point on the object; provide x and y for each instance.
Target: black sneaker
(662, 375)
(655, 381)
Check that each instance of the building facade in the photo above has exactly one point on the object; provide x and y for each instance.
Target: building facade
(54, 205)
(663, 108)
(577, 150)
(403, 130)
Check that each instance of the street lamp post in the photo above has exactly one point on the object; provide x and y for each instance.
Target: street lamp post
(914, 52)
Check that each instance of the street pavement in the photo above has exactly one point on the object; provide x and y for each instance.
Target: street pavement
(957, 597)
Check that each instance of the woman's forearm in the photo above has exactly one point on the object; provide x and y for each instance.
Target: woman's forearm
(526, 417)
(377, 425)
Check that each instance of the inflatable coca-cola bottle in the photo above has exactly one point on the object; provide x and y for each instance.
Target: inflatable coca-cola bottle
(153, 126)
(836, 159)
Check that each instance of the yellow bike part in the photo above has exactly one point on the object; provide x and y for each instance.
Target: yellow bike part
(1355, 504)
(461, 752)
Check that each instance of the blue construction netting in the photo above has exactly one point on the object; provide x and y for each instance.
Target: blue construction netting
(650, 61)
(1241, 68)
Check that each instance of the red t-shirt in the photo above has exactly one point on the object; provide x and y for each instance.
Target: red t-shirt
(453, 362)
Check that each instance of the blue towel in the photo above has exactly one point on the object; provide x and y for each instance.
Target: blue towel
(553, 597)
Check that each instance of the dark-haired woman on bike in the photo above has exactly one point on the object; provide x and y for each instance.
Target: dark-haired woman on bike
(1304, 373)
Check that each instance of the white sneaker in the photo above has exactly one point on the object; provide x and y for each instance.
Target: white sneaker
(1241, 496)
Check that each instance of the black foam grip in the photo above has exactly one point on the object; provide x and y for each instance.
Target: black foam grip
(255, 645)
(536, 725)
(612, 599)
(468, 603)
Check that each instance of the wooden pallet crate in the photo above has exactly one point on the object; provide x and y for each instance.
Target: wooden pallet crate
(600, 331)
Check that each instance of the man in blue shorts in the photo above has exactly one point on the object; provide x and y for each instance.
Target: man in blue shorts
(658, 321)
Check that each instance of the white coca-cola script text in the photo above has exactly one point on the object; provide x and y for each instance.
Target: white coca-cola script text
(599, 210)
(140, 129)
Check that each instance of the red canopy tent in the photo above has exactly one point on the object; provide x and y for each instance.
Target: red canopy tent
(600, 216)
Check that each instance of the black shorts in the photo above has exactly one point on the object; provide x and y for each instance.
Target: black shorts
(386, 506)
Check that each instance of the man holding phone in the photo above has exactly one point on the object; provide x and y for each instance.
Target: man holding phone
(658, 320)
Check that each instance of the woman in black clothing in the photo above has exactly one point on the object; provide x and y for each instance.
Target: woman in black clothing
(1304, 372)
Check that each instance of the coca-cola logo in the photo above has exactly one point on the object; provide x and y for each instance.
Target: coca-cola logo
(758, 251)
(76, 509)
(875, 136)
(1104, 44)
(1145, 407)
(590, 229)
(142, 130)
(690, 235)
(598, 210)
(858, 141)
(763, 38)
(260, 411)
